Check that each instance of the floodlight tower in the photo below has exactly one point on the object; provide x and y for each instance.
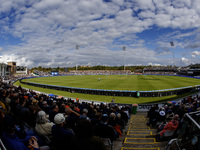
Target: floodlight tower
(77, 48)
(124, 49)
(172, 44)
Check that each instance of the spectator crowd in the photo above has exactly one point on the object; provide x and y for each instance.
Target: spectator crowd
(31, 120)
(168, 118)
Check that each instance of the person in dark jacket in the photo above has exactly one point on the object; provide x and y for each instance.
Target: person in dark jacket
(12, 141)
(85, 139)
(60, 136)
(104, 130)
(54, 110)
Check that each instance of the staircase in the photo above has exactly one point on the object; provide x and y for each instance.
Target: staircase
(139, 136)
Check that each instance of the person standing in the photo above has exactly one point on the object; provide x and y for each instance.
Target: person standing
(113, 101)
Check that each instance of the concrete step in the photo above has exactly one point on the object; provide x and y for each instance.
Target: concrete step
(139, 136)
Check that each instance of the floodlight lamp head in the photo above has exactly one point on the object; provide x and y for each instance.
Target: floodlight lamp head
(124, 48)
(77, 46)
(172, 43)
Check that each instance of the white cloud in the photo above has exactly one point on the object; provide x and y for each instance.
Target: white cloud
(49, 30)
(21, 61)
(146, 14)
(154, 64)
(118, 2)
(5, 6)
(186, 61)
(146, 4)
(195, 53)
(163, 20)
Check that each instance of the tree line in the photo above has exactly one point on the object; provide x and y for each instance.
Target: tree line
(49, 69)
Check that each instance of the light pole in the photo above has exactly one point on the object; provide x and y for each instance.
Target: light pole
(124, 49)
(172, 44)
(77, 47)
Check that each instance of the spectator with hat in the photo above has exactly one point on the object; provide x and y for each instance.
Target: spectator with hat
(60, 136)
(45, 107)
(84, 114)
(104, 130)
(161, 116)
(43, 125)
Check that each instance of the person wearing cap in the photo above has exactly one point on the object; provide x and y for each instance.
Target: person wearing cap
(84, 114)
(60, 136)
(161, 116)
(45, 107)
(104, 130)
(43, 125)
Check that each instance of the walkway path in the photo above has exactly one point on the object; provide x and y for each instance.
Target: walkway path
(139, 136)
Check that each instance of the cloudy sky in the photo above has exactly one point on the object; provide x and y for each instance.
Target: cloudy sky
(45, 32)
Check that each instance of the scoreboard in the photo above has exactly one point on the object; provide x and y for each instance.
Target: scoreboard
(54, 73)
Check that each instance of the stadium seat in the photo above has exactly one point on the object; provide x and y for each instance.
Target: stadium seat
(107, 142)
(168, 135)
(44, 138)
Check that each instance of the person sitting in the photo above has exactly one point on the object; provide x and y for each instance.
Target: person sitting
(43, 125)
(23, 112)
(84, 114)
(85, 139)
(45, 107)
(71, 118)
(33, 109)
(115, 124)
(12, 141)
(170, 126)
(161, 115)
(60, 136)
(160, 118)
(54, 110)
(104, 130)
(2, 120)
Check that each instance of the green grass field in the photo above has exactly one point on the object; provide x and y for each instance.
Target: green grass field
(117, 82)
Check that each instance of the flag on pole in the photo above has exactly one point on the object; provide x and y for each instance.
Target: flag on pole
(172, 43)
